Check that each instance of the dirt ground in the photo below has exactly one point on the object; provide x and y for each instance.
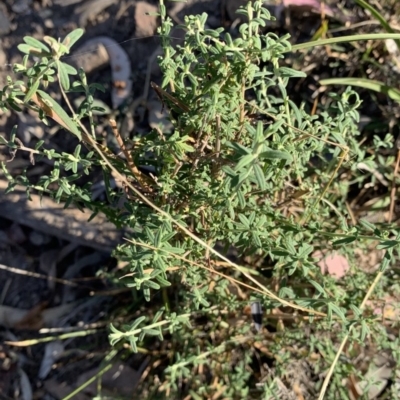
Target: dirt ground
(55, 267)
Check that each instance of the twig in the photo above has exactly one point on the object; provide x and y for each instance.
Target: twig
(141, 178)
(161, 93)
(37, 275)
(23, 148)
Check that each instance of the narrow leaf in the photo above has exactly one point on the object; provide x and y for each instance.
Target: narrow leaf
(286, 72)
(345, 39)
(132, 341)
(244, 220)
(387, 244)
(163, 282)
(338, 311)
(348, 239)
(137, 322)
(317, 286)
(246, 160)
(32, 90)
(379, 17)
(64, 79)
(151, 285)
(55, 112)
(259, 174)
(276, 155)
(369, 84)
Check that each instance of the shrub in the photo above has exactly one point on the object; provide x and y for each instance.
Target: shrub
(242, 195)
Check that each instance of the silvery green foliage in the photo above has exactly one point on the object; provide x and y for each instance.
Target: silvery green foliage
(249, 172)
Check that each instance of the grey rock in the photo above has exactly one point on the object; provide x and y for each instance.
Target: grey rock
(5, 25)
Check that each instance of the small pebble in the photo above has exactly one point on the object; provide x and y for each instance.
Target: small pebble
(38, 239)
(21, 6)
(5, 25)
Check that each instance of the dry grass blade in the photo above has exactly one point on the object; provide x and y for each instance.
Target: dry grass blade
(32, 342)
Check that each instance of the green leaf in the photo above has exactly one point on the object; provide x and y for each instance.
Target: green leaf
(32, 90)
(137, 322)
(276, 155)
(163, 282)
(157, 316)
(192, 393)
(387, 244)
(77, 151)
(69, 124)
(356, 310)
(317, 286)
(345, 240)
(25, 48)
(280, 252)
(39, 144)
(305, 250)
(151, 284)
(364, 83)
(241, 198)
(244, 220)
(174, 250)
(73, 37)
(64, 78)
(151, 332)
(65, 186)
(256, 239)
(365, 331)
(366, 224)
(345, 39)
(98, 86)
(149, 234)
(186, 147)
(337, 310)
(142, 335)
(69, 68)
(379, 17)
(13, 105)
(290, 246)
(35, 43)
(260, 178)
(286, 72)
(132, 341)
(244, 161)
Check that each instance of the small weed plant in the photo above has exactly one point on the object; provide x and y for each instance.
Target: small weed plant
(244, 196)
